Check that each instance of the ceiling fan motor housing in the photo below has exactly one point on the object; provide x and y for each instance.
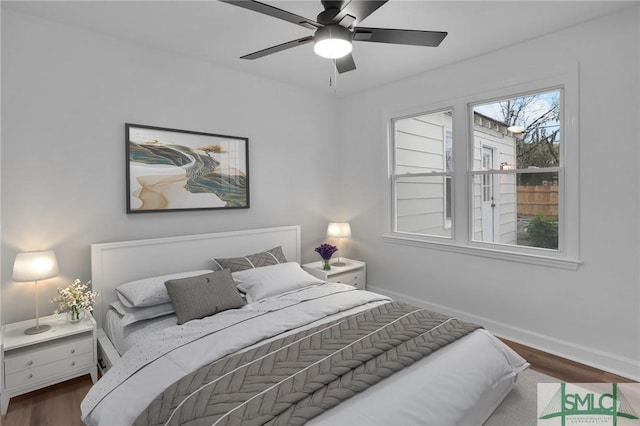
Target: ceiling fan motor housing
(331, 9)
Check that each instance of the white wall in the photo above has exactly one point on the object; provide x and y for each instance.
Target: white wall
(592, 314)
(66, 94)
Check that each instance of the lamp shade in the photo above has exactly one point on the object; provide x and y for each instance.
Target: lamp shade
(332, 41)
(339, 230)
(35, 265)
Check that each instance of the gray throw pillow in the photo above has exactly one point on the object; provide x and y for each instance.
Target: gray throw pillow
(203, 295)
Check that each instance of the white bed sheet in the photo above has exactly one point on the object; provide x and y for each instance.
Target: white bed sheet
(123, 338)
(458, 385)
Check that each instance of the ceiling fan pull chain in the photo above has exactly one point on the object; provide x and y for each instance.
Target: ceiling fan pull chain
(331, 75)
(333, 79)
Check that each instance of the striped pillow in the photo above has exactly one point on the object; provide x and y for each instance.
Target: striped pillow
(257, 260)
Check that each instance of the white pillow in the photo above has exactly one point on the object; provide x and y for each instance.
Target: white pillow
(133, 315)
(150, 291)
(268, 281)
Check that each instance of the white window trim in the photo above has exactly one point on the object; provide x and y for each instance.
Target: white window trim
(568, 255)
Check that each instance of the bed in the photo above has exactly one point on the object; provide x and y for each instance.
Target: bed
(160, 371)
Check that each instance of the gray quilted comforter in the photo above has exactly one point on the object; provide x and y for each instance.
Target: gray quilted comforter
(293, 379)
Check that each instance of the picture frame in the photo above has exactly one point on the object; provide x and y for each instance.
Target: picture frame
(176, 170)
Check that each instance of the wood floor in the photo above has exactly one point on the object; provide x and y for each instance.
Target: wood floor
(563, 369)
(60, 404)
(57, 405)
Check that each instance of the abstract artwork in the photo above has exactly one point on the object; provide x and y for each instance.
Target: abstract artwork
(171, 170)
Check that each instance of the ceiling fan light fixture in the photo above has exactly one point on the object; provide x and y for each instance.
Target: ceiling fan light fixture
(332, 41)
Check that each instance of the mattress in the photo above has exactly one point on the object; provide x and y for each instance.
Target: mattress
(461, 383)
(124, 337)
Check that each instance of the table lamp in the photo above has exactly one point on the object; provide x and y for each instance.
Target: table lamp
(339, 230)
(35, 266)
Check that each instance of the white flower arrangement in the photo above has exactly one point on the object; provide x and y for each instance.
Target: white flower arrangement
(75, 298)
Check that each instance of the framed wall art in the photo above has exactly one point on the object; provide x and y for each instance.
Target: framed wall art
(173, 170)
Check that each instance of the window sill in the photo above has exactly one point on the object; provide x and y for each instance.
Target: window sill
(532, 259)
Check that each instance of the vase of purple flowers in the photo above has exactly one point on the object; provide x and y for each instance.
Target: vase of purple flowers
(326, 251)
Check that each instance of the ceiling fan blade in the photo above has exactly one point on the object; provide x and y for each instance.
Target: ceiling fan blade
(278, 48)
(359, 10)
(266, 9)
(345, 64)
(395, 36)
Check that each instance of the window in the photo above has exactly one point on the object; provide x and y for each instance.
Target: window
(490, 177)
(422, 174)
(516, 180)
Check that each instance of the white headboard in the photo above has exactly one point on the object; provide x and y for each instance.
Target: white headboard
(116, 263)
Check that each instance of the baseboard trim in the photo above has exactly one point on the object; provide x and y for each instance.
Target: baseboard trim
(592, 357)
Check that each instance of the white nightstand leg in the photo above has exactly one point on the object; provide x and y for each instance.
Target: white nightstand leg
(4, 403)
(94, 375)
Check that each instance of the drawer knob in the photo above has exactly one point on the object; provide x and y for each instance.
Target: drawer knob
(29, 362)
(73, 363)
(30, 376)
(73, 351)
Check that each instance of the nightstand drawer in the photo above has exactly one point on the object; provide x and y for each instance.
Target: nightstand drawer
(46, 353)
(44, 372)
(355, 279)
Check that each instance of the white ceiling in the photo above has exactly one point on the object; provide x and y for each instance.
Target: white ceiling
(220, 33)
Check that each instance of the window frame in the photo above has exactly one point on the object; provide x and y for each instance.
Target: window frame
(568, 254)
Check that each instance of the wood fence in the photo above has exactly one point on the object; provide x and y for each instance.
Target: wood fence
(539, 199)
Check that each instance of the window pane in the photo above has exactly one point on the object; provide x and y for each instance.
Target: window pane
(422, 205)
(423, 143)
(525, 131)
(522, 209)
(517, 133)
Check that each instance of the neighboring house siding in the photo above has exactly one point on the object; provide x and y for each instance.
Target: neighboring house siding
(419, 146)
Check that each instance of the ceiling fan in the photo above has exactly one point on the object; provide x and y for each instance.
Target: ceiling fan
(336, 27)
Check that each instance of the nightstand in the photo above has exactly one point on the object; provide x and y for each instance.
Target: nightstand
(32, 362)
(354, 272)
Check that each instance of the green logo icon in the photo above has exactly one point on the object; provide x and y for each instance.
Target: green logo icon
(565, 404)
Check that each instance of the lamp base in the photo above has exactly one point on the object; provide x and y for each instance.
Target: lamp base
(339, 264)
(37, 329)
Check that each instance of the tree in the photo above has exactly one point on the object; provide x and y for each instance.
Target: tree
(539, 144)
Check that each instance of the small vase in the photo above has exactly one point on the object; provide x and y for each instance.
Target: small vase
(74, 316)
(326, 266)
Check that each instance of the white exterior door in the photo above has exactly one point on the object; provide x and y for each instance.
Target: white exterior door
(488, 195)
